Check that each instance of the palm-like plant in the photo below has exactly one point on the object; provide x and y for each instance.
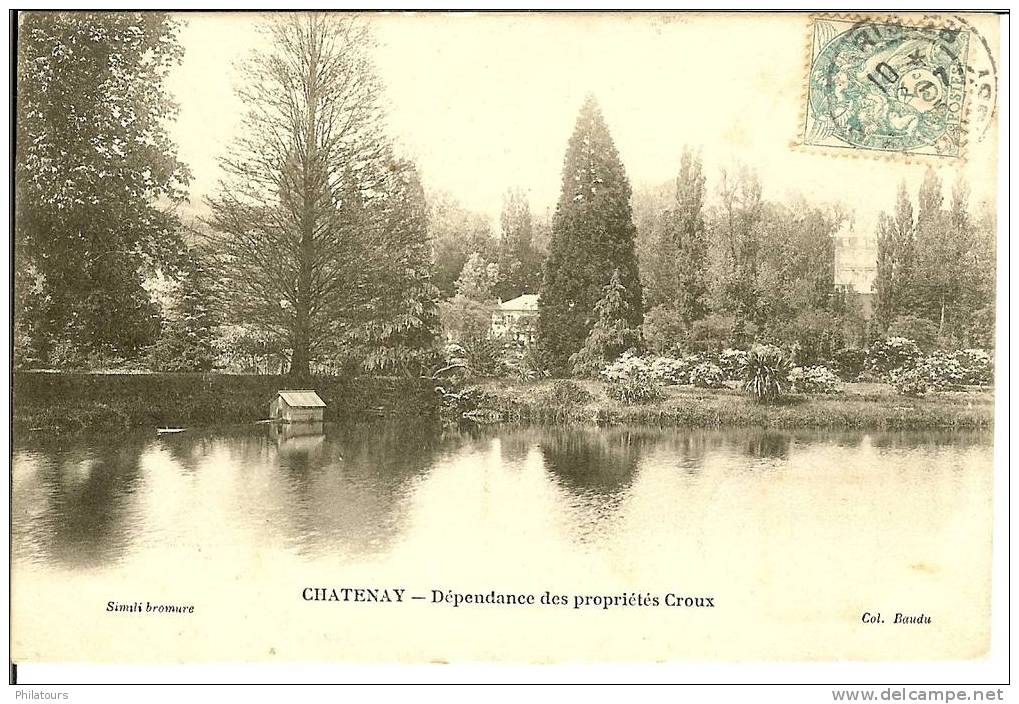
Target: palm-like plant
(765, 372)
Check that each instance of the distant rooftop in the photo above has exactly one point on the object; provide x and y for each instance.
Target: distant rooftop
(528, 302)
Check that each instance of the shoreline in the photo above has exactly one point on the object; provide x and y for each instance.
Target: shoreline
(81, 403)
(860, 406)
(78, 402)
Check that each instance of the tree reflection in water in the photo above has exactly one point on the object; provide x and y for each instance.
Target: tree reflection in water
(346, 491)
(74, 508)
(346, 487)
(765, 444)
(601, 461)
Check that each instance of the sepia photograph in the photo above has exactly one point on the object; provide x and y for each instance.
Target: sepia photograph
(530, 337)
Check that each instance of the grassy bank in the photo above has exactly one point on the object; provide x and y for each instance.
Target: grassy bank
(59, 402)
(71, 403)
(875, 406)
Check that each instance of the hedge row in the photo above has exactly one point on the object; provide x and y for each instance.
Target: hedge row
(81, 401)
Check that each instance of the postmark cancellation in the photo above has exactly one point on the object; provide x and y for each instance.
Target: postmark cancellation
(881, 85)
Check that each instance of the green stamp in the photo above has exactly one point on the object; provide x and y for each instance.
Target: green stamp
(887, 87)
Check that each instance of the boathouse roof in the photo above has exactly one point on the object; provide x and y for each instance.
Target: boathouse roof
(302, 398)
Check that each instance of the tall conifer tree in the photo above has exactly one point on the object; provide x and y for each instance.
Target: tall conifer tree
(592, 236)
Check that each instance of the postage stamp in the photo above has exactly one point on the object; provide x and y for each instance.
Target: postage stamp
(887, 87)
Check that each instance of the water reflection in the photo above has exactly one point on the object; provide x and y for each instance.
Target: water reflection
(602, 461)
(351, 500)
(70, 504)
(297, 437)
(792, 533)
(767, 444)
(352, 492)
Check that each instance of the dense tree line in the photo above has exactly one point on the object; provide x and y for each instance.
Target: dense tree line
(743, 269)
(736, 269)
(317, 249)
(322, 252)
(936, 268)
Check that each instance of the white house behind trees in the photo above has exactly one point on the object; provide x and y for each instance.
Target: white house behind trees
(517, 319)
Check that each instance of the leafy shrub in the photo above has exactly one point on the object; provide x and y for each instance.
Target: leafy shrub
(663, 328)
(811, 335)
(625, 366)
(921, 330)
(707, 375)
(977, 366)
(671, 370)
(849, 362)
(731, 362)
(891, 353)
(814, 380)
(471, 399)
(565, 393)
(765, 373)
(523, 362)
(176, 354)
(870, 377)
(638, 388)
(910, 382)
(712, 332)
(977, 328)
(943, 370)
(66, 355)
(478, 357)
(452, 365)
(484, 356)
(937, 372)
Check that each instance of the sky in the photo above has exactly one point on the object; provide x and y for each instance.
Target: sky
(486, 102)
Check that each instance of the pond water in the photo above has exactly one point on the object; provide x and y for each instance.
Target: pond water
(793, 536)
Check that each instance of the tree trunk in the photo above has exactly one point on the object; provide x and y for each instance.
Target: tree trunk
(310, 189)
(941, 324)
(300, 359)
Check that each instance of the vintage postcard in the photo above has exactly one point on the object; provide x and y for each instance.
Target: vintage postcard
(524, 337)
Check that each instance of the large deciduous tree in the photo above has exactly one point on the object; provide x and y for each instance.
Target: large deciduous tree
(519, 260)
(392, 318)
(799, 303)
(456, 235)
(186, 343)
(592, 236)
(467, 316)
(95, 172)
(321, 228)
(677, 280)
(674, 266)
(935, 271)
(896, 259)
(942, 238)
(739, 237)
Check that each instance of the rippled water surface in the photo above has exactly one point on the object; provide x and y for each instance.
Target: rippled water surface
(793, 535)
